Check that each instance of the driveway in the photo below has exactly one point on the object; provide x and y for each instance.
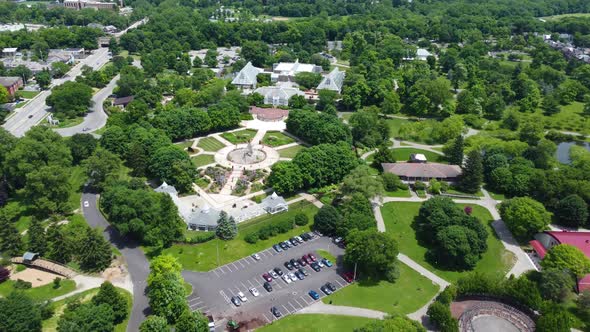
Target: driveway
(137, 264)
(213, 290)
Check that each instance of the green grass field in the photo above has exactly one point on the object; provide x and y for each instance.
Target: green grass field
(403, 154)
(394, 125)
(203, 256)
(28, 94)
(326, 254)
(67, 122)
(210, 144)
(399, 216)
(346, 116)
(276, 138)
(240, 136)
(409, 293)
(290, 152)
(185, 144)
(398, 193)
(41, 293)
(316, 323)
(202, 160)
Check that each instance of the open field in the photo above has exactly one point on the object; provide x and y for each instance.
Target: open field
(290, 152)
(27, 94)
(203, 256)
(41, 293)
(409, 293)
(276, 138)
(202, 160)
(403, 154)
(210, 144)
(240, 136)
(399, 217)
(394, 125)
(316, 323)
(398, 193)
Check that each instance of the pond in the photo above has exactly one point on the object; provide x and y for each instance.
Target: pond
(563, 150)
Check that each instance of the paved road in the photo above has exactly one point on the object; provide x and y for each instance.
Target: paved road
(137, 263)
(212, 290)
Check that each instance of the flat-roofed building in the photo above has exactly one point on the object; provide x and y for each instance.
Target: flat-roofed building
(412, 172)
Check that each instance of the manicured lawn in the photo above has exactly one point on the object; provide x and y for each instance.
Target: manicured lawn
(67, 122)
(398, 193)
(394, 125)
(456, 191)
(409, 293)
(276, 138)
(290, 152)
(570, 118)
(210, 144)
(403, 154)
(41, 293)
(240, 136)
(203, 256)
(326, 254)
(316, 323)
(496, 196)
(399, 216)
(202, 160)
(77, 179)
(27, 94)
(185, 144)
(59, 306)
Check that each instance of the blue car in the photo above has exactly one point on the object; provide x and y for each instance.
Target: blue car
(314, 295)
(327, 262)
(277, 248)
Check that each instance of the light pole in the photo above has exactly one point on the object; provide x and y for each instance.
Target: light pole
(354, 274)
(217, 245)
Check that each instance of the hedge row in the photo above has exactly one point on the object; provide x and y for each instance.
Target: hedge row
(281, 227)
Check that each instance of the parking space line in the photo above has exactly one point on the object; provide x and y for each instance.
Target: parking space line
(287, 310)
(340, 284)
(225, 297)
(240, 262)
(268, 320)
(233, 264)
(251, 283)
(292, 306)
(299, 304)
(304, 298)
(244, 285)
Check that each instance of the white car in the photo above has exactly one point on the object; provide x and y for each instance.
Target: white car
(254, 291)
(86, 204)
(273, 274)
(242, 297)
(287, 279)
(299, 239)
(293, 277)
(256, 256)
(320, 263)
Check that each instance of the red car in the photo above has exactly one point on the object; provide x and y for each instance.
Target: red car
(307, 259)
(267, 277)
(348, 276)
(312, 257)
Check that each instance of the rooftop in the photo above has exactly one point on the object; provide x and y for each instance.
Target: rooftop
(273, 201)
(9, 80)
(332, 81)
(420, 170)
(247, 76)
(269, 113)
(581, 240)
(205, 216)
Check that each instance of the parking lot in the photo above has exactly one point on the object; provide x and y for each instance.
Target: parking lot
(213, 290)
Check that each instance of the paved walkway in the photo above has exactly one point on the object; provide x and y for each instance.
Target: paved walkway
(322, 308)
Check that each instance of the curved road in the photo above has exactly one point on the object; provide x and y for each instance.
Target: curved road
(137, 264)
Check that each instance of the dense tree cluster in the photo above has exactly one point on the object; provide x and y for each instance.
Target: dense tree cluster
(393, 323)
(456, 239)
(374, 253)
(316, 128)
(524, 216)
(70, 99)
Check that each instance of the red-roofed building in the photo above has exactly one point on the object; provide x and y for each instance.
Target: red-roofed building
(269, 114)
(581, 240)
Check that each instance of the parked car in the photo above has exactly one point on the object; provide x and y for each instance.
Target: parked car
(337, 240)
(320, 263)
(277, 248)
(306, 237)
(86, 204)
(315, 267)
(327, 262)
(302, 262)
(299, 239)
(299, 275)
(236, 301)
(294, 242)
(331, 286)
(326, 290)
(273, 274)
(283, 246)
(318, 233)
(293, 276)
(303, 271)
(287, 279)
(254, 291)
(275, 311)
(278, 271)
(256, 256)
(348, 276)
(267, 286)
(267, 277)
(312, 257)
(242, 297)
(289, 266)
(287, 243)
(314, 295)
(294, 263)
(307, 259)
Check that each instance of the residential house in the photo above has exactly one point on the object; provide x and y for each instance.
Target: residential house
(122, 102)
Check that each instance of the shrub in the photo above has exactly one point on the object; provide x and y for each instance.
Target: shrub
(200, 237)
(419, 185)
(251, 238)
(301, 219)
(56, 283)
(21, 284)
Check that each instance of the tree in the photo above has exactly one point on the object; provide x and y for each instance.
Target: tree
(297, 101)
(308, 80)
(155, 323)
(392, 323)
(22, 71)
(59, 247)
(172, 165)
(82, 146)
(565, 256)
(18, 313)
(524, 216)
(391, 103)
(326, 98)
(383, 155)
(95, 252)
(37, 242)
(532, 132)
(360, 180)
(555, 284)
(454, 153)
(86, 317)
(100, 166)
(4, 96)
(459, 247)
(110, 296)
(551, 105)
(440, 314)
(555, 320)
(43, 78)
(317, 128)
(572, 211)
(167, 296)
(70, 99)
(285, 177)
(326, 220)
(48, 189)
(164, 264)
(192, 322)
(10, 238)
(472, 176)
(392, 182)
(373, 252)
(59, 69)
(255, 51)
(226, 227)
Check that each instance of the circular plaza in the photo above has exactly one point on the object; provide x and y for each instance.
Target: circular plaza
(490, 316)
(247, 156)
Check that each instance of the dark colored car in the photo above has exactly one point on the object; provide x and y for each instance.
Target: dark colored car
(299, 275)
(283, 245)
(277, 248)
(312, 257)
(294, 242)
(267, 286)
(302, 262)
(294, 263)
(303, 271)
(275, 311)
(331, 286)
(236, 301)
(278, 271)
(289, 266)
(326, 290)
(314, 295)
(267, 277)
(315, 266)
(305, 237)
(348, 276)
